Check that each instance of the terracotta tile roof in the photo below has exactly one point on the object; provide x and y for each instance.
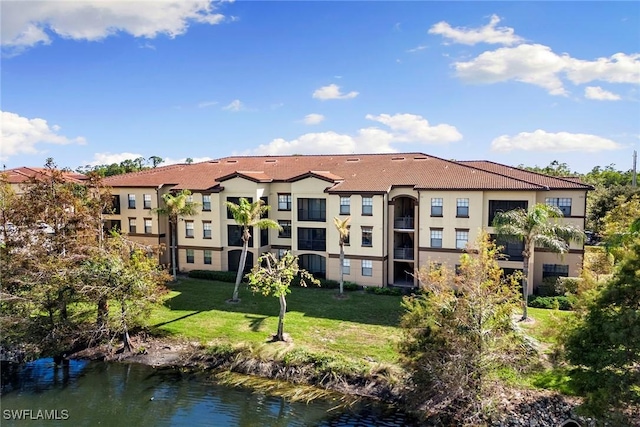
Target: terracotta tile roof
(374, 173)
(552, 182)
(25, 174)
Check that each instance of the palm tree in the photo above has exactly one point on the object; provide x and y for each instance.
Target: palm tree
(248, 215)
(176, 206)
(342, 225)
(537, 227)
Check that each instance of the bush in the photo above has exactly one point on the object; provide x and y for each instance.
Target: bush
(559, 302)
(220, 276)
(568, 284)
(548, 287)
(383, 291)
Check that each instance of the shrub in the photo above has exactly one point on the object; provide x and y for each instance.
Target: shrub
(548, 287)
(220, 276)
(383, 291)
(568, 284)
(552, 303)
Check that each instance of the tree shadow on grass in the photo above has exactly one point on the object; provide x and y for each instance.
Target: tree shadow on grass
(360, 307)
(255, 322)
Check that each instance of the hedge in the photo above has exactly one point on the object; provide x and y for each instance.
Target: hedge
(560, 302)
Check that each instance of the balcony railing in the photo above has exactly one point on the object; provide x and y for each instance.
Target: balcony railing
(312, 245)
(404, 222)
(403, 253)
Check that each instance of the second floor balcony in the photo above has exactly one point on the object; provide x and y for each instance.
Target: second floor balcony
(403, 253)
(403, 223)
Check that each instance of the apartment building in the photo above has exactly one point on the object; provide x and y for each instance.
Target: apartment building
(407, 210)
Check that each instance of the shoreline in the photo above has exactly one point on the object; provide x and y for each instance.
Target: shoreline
(513, 406)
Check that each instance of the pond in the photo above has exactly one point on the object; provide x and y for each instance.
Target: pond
(83, 393)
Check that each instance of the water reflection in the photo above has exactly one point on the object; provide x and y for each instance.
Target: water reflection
(110, 394)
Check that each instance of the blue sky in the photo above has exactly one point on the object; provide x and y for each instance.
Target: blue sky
(94, 82)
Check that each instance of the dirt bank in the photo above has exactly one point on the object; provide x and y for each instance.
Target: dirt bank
(514, 407)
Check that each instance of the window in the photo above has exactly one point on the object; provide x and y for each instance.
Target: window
(367, 267)
(345, 205)
(190, 256)
(148, 225)
(312, 239)
(367, 205)
(562, 203)
(462, 208)
(436, 237)
(132, 225)
(462, 237)
(236, 200)
(206, 202)
(188, 228)
(496, 206)
(284, 202)
(264, 236)
(436, 207)
(265, 202)
(281, 253)
(234, 236)
(206, 229)
(115, 205)
(512, 249)
(367, 236)
(132, 201)
(285, 233)
(555, 270)
(312, 210)
(346, 239)
(346, 266)
(207, 256)
(190, 198)
(147, 201)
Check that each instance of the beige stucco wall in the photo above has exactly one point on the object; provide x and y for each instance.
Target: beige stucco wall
(449, 222)
(355, 274)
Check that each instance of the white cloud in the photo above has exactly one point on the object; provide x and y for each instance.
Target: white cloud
(619, 68)
(205, 104)
(529, 63)
(111, 158)
(417, 48)
(235, 105)
(471, 36)
(313, 119)
(414, 128)
(541, 140)
(21, 135)
(597, 93)
(404, 128)
(332, 92)
(28, 23)
(539, 65)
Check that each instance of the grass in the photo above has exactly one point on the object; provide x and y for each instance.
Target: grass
(545, 326)
(361, 326)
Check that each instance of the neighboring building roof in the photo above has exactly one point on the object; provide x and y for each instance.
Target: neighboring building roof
(25, 174)
(553, 182)
(354, 173)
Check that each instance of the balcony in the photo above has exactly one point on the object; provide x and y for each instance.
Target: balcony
(403, 253)
(312, 245)
(403, 223)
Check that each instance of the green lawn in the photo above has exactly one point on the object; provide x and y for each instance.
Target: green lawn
(545, 325)
(363, 325)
